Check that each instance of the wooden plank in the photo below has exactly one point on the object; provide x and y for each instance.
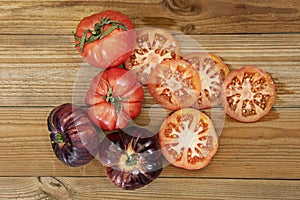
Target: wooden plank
(43, 70)
(190, 17)
(247, 150)
(161, 188)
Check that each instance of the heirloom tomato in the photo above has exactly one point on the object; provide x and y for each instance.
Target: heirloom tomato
(105, 39)
(249, 94)
(153, 45)
(174, 84)
(73, 136)
(115, 97)
(212, 71)
(188, 139)
(132, 157)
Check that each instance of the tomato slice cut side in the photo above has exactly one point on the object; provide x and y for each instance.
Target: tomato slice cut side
(174, 84)
(212, 71)
(188, 139)
(249, 94)
(153, 46)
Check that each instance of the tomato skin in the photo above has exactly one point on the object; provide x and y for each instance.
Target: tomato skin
(132, 157)
(174, 84)
(73, 136)
(113, 49)
(249, 94)
(188, 139)
(115, 97)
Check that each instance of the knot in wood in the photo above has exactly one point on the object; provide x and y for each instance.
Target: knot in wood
(54, 188)
(183, 7)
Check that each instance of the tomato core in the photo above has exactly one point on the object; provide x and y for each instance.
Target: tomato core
(153, 58)
(173, 84)
(131, 159)
(248, 95)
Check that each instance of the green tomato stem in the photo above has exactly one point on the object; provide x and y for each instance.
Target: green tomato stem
(98, 33)
(58, 138)
(131, 160)
(110, 98)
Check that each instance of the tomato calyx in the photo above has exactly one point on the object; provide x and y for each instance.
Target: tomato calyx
(110, 98)
(131, 159)
(58, 138)
(98, 33)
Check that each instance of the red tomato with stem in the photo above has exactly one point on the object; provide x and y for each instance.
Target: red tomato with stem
(115, 97)
(105, 39)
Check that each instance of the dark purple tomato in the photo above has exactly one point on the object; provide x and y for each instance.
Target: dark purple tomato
(74, 138)
(132, 157)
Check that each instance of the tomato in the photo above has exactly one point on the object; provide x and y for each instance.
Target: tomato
(132, 157)
(153, 45)
(174, 84)
(73, 136)
(212, 71)
(188, 139)
(115, 97)
(249, 94)
(105, 39)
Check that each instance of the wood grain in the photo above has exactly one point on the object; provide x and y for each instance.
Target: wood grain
(255, 150)
(162, 188)
(190, 17)
(40, 69)
(46, 70)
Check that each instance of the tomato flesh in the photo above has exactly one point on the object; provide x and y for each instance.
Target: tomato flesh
(249, 94)
(153, 46)
(188, 139)
(212, 71)
(174, 84)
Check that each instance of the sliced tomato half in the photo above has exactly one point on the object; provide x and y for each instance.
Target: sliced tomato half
(212, 71)
(188, 139)
(153, 45)
(174, 84)
(249, 94)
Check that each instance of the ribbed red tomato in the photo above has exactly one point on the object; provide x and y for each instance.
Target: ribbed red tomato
(188, 139)
(115, 97)
(105, 39)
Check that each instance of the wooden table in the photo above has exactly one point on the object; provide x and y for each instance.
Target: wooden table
(39, 64)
